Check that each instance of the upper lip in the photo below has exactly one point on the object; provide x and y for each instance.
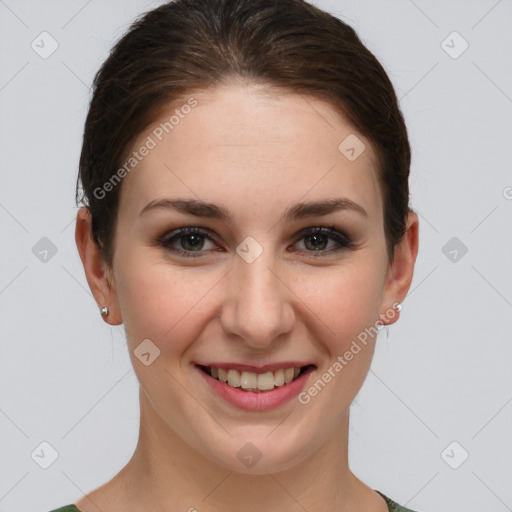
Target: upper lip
(256, 369)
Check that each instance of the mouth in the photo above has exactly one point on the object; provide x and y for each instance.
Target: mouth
(256, 382)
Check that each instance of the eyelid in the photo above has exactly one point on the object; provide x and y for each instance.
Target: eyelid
(344, 241)
(165, 240)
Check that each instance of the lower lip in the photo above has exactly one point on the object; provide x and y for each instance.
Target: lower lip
(254, 401)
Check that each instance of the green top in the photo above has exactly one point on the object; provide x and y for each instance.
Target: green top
(392, 506)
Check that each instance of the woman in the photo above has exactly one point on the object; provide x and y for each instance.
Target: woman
(245, 179)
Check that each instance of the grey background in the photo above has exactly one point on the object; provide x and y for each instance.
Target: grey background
(443, 375)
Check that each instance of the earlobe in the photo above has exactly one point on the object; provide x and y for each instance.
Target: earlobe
(401, 271)
(95, 268)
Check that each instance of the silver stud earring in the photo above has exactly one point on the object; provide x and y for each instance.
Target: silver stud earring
(104, 311)
(398, 307)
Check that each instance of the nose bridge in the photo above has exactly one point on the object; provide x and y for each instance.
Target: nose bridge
(259, 308)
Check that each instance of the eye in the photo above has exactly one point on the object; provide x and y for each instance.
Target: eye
(186, 241)
(317, 239)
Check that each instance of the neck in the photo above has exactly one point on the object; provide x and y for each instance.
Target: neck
(167, 474)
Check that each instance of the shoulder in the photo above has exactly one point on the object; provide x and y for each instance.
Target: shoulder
(393, 506)
(66, 508)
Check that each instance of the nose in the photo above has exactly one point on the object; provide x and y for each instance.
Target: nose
(258, 302)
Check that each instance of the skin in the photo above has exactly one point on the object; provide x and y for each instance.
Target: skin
(256, 151)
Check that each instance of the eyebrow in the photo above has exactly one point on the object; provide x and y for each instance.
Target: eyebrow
(298, 211)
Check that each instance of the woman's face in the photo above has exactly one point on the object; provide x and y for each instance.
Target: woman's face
(254, 290)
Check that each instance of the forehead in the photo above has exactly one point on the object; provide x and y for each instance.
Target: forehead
(251, 146)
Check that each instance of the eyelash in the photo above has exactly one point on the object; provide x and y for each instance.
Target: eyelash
(343, 241)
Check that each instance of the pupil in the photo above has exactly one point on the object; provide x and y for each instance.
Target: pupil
(195, 243)
(318, 240)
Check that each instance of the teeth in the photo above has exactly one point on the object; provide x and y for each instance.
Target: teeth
(223, 375)
(266, 381)
(234, 378)
(288, 375)
(255, 381)
(279, 378)
(249, 380)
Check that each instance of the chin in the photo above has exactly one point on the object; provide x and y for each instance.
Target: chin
(260, 455)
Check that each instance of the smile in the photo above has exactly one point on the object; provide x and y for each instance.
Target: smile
(264, 388)
(251, 381)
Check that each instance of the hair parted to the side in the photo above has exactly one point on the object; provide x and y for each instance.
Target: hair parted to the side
(187, 45)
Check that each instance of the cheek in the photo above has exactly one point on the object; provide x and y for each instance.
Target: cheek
(345, 301)
(161, 302)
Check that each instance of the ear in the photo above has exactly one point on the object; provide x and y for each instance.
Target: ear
(400, 271)
(98, 274)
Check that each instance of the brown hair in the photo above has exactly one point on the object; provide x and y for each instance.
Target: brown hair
(189, 44)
